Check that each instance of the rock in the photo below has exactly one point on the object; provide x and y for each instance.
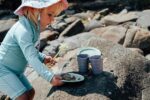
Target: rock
(129, 24)
(148, 56)
(138, 38)
(97, 16)
(104, 12)
(120, 67)
(147, 65)
(58, 26)
(141, 40)
(5, 25)
(143, 19)
(70, 12)
(145, 94)
(125, 65)
(115, 34)
(42, 88)
(93, 24)
(77, 40)
(124, 11)
(130, 36)
(136, 50)
(84, 91)
(52, 47)
(85, 15)
(70, 19)
(40, 45)
(146, 82)
(73, 29)
(115, 19)
(48, 35)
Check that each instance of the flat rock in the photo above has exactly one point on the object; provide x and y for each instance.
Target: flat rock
(120, 66)
(115, 19)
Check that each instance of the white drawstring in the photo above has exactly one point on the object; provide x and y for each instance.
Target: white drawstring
(39, 29)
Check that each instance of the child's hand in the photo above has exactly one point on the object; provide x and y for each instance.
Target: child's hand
(56, 81)
(50, 60)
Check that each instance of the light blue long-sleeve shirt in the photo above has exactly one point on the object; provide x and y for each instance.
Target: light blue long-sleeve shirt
(18, 49)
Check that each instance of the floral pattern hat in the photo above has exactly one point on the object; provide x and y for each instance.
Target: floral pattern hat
(38, 4)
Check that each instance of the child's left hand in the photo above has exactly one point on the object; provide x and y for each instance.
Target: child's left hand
(50, 60)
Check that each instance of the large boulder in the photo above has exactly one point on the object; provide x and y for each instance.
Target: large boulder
(123, 75)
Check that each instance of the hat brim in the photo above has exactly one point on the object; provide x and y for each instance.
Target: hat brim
(38, 5)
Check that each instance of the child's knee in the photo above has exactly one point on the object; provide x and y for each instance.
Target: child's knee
(31, 93)
(23, 97)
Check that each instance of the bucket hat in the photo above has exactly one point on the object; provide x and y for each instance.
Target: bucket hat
(37, 4)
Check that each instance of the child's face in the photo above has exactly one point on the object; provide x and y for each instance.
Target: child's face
(48, 14)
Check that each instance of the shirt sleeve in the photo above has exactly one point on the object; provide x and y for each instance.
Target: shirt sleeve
(41, 57)
(25, 41)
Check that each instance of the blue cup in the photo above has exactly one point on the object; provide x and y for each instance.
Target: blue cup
(96, 63)
(83, 62)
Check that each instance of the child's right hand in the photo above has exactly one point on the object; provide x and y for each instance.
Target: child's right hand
(50, 60)
(56, 81)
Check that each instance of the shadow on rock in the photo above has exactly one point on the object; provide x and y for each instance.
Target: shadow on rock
(103, 83)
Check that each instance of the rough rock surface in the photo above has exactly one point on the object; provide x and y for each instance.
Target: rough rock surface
(120, 67)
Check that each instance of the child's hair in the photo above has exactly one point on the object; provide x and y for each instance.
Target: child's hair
(32, 13)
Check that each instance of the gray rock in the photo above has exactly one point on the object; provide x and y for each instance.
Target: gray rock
(104, 12)
(42, 88)
(52, 47)
(136, 50)
(93, 24)
(124, 11)
(85, 15)
(143, 19)
(71, 42)
(48, 35)
(130, 36)
(138, 38)
(146, 82)
(120, 67)
(148, 56)
(145, 94)
(141, 40)
(115, 34)
(119, 18)
(70, 19)
(126, 65)
(73, 29)
(77, 40)
(5, 25)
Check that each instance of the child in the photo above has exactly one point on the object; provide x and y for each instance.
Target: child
(18, 48)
